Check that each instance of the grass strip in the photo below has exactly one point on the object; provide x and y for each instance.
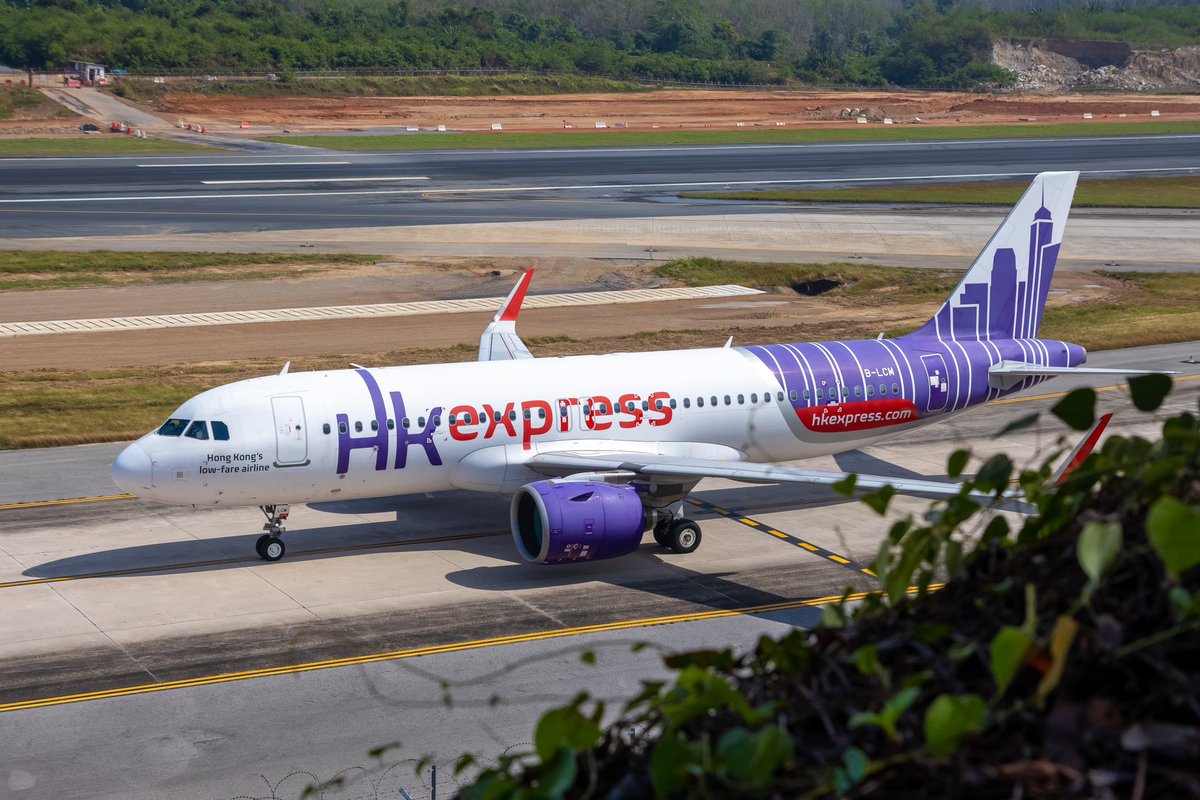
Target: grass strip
(1172, 192)
(96, 145)
(633, 138)
(54, 269)
(121, 404)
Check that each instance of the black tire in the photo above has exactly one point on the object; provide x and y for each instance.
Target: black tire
(662, 533)
(684, 537)
(270, 548)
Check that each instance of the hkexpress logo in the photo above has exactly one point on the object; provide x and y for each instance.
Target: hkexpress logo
(857, 416)
(467, 423)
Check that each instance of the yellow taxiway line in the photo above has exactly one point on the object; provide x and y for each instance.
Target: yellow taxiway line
(397, 655)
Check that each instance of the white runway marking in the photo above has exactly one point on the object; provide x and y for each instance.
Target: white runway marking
(251, 164)
(572, 187)
(484, 304)
(320, 180)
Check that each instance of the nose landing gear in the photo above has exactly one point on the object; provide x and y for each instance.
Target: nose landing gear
(270, 545)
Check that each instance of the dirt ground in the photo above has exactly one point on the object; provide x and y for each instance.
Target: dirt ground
(668, 109)
(779, 315)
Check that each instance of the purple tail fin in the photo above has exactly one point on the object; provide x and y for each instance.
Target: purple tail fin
(1003, 293)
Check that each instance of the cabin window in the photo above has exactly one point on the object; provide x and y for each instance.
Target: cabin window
(673, 402)
(728, 401)
(870, 390)
(820, 393)
(173, 427)
(420, 422)
(541, 413)
(646, 405)
(858, 391)
(341, 427)
(687, 402)
(713, 400)
(453, 419)
(198, 430)
(467, 418)
(658, 405)
(754, 397)
(562, 411)
(601, 408)
(587, 410)
(792, 395)
(527, 415)
(326, 429)
(779, 396)
(883, 389)
(406, 423)
(512, 415)
(895, 388)
(357, 426)
(807, 395)
(391, 423)
(741, 399)
(437, 421)
(374, 424)
(699, 402)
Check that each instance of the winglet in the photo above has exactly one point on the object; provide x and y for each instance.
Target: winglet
(512, 304)
(1081, 452)
(499, 341)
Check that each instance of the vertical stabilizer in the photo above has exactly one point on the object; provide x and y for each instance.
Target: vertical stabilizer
(1003, 293)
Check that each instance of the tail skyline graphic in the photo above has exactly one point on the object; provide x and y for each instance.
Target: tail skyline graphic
(1003, 293)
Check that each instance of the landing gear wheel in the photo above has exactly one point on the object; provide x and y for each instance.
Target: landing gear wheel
(270, 548)
(662, 533)
(684, 536)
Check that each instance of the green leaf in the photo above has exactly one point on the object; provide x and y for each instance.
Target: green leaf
(845, 487)
(1098, 547)
(856, 762)
(1077, 409)
(1018, 424)
(558, 775)
(833, 616)
(950, 719)
(1148, 391)
(1061, 639)
(994, 474)
(672, 761)
(878, 500)
(889, 716)
(957, 462)
(866, 659)
(1009, 650)
(1174, 531)
(561, 727)
(954, 554)
(751, 759)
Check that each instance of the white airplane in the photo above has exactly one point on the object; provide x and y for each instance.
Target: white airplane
(596, 450)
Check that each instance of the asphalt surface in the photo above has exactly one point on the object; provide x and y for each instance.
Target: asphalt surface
(122, 196)
(268, 736)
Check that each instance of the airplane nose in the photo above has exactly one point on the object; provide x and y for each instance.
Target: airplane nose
(131, 469)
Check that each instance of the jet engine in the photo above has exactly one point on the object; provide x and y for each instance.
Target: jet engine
(555, 522)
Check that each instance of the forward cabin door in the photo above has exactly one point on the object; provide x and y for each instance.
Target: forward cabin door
(291, 437)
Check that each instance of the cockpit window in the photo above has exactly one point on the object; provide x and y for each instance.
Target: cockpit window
(197, 430)
(173, 427)
(220, 431)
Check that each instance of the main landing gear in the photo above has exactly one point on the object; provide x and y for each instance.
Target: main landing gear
(679, 535)
(270, 545)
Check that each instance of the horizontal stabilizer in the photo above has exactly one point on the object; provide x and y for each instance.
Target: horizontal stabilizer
(499, 341)
(1007, 374)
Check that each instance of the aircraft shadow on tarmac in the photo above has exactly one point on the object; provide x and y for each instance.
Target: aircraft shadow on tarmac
(431, 523)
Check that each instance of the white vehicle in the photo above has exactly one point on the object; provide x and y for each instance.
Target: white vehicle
(598, 449)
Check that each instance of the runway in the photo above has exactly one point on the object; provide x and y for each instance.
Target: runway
(130, 196)
(342, 646)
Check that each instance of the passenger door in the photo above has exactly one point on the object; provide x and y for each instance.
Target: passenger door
(291, 439)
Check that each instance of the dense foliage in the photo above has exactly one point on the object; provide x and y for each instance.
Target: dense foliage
(1060, 659)
(906, 42)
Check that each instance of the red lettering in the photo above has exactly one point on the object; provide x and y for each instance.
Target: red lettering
(462, 417)
(496, 419)
(601, 406)
(629, 407)
(666, 411)
(535, 424)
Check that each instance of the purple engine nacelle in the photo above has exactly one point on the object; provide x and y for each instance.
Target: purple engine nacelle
(554, 522)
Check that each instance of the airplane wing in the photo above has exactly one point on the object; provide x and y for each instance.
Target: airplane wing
(1007, 374)
(499, 341)
(652, 465)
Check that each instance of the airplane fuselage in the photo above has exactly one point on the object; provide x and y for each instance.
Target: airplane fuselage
(345, 434)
